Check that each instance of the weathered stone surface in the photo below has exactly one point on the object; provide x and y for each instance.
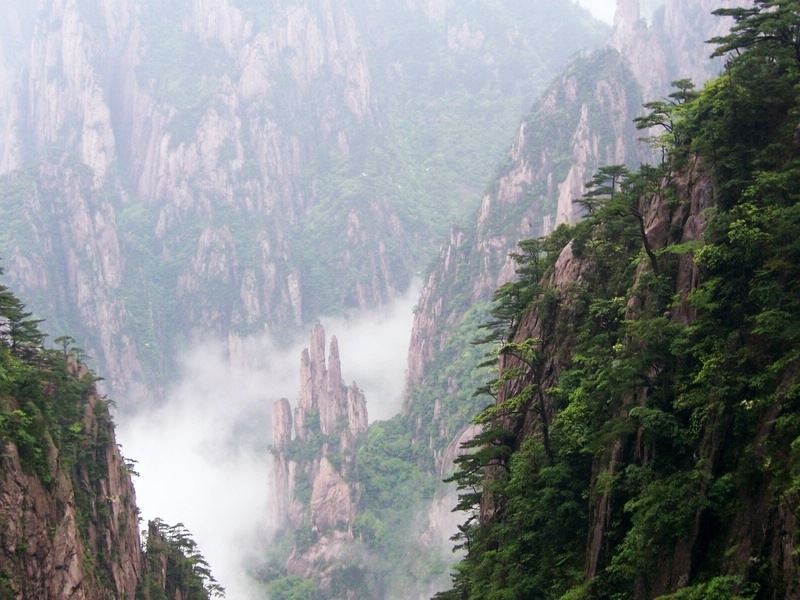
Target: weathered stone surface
(333, 502)
(44, 552)
(672, 46)
(650, 55)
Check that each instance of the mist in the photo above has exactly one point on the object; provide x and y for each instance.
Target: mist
(605, 9)
(602, 9)
(203, 457)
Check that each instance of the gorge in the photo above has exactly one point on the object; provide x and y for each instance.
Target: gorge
(229, 176)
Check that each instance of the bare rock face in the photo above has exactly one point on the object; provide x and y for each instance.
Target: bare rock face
(311, 469)
(582, 122)
(59, 538)
(761, 529)
(672, 46)
(237, 132)
(331, 499)
(94, 87)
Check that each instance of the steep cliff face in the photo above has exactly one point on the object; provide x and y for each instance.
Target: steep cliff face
(668, 499)
(70, 524)
(187, 163)
(582, 122)
(313, 469)
(671, 45)
(646, 397)
(70, 532)
(56, 202)
(112, 86)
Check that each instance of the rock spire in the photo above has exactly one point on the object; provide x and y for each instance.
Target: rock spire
(314, 451)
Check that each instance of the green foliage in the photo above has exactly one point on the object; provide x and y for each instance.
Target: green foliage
(767, 29)
(291, 588)
(664, 115)
(387, 467)
(730, 587)
(660, 428)
(394, 489)
(445, 401)
(47, 401)
(43, 393)
(185, 573)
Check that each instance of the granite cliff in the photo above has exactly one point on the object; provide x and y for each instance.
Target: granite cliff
(175, 170)
(72, 531)
(314, 467)
(70, 524)
(684, 492)
(641, 437)
(584, 121)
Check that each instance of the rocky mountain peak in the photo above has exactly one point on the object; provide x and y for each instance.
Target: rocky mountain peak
(311, 472)
(671, 45)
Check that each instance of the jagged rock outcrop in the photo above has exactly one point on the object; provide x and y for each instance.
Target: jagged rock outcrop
(174, 568)
(763, 530)
(312, 469)
(76, 535)
(672, 45)
(638, 366)
(70, 524)
(582, 122)
(251, 136)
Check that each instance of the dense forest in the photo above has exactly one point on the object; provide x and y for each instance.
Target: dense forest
(642, 436)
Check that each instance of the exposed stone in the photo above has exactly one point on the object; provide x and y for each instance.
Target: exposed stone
(45, 552)
(648, 55)
(669, 48)
(334, 498)
(331, 504)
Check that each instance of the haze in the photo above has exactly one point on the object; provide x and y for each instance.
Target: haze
(209, 170)
(211, 438)
(602, 9)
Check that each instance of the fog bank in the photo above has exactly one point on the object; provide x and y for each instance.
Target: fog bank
(203, 457)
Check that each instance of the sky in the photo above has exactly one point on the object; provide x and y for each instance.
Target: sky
(203, 457)
(602, 9)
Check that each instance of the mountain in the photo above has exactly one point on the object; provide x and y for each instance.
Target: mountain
(314, 467)
(179, 171)
(642, 439)
(187, 169)
(67, 501)
(582, 122)
(347, 496)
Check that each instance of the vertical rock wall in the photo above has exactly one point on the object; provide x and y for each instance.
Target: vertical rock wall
(584, 121)
(314, 459)
(77, 537)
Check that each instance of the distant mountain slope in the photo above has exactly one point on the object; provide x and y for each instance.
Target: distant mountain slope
(174, 169)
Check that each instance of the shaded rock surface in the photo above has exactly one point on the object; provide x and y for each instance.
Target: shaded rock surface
(172, 170)
(77, 537)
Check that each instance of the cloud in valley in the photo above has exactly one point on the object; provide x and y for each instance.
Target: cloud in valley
(203, 457)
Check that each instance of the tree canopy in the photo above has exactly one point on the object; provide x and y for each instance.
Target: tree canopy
(650, 419)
